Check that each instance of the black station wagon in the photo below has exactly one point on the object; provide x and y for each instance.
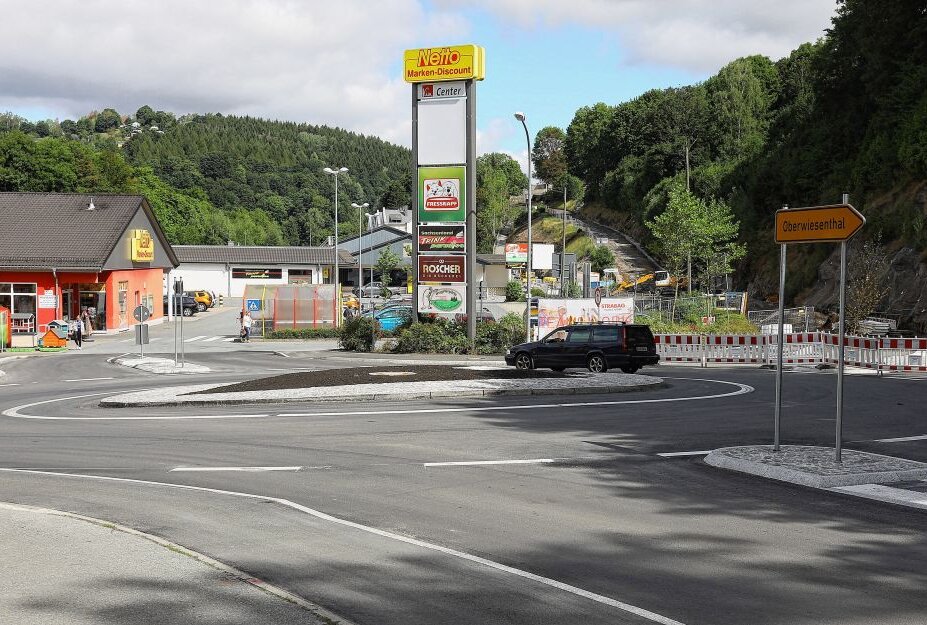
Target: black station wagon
(597, 346)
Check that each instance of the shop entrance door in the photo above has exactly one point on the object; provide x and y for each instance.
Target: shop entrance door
(66, 305)
(123, 305)
(95, 303)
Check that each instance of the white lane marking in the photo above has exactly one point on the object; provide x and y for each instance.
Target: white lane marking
(212, 338)
(87, 379)
(675, 454)
(238, 574)
(194, 338)
(16, 384)
(887, 494)
(574, 590)
(229, 339)
(902, 439)
(481, 462)
(245, 469)
(15, 411)
(284, 354)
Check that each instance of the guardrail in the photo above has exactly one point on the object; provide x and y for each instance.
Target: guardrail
(809, 348)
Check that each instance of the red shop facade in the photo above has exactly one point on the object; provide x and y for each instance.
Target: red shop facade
(64, 254)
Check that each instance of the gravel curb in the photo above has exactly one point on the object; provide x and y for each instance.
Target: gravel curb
(397, 391)
(322, 616)
(815, 466)
(161, 366)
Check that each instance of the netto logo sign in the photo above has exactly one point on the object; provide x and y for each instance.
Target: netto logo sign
(428, 57)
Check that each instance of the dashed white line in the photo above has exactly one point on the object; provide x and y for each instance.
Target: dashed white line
(462, 555)
(242, 469)
(87, 379)
(902, 439)
(212, 338)
(676, 454)
(471, 463)
(11, 384)
(194, 338)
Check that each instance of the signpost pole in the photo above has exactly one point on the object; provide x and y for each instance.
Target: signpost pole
(414, 204)
(781, 335)
(471, 215)
(841, 348)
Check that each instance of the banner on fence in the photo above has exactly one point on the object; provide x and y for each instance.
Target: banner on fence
(553, 313)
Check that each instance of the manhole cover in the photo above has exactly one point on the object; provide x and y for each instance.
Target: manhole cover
(392, 374)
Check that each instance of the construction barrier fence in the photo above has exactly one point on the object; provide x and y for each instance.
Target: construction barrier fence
(801, 348)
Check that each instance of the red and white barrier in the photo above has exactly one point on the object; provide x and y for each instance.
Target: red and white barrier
(807, 348)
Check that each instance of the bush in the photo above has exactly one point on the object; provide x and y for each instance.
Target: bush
(574, 290)
(304, 333)
(359, 334)
(497, 337)
(514, 291)
(537, 292)
(432, 337)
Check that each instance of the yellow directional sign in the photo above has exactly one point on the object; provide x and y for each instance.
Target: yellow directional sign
(817, 224)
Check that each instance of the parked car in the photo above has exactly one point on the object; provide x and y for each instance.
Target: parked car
(371, 289)
(203, 299)
(391, 318)
(597, 346)
(186, 304)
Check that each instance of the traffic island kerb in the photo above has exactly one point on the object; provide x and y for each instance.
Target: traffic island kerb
(816, 466)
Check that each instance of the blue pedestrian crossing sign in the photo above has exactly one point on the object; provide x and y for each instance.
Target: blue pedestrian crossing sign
(253, 305)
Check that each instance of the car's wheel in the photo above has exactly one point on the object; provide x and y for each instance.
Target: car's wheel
(629, 369)
(523, 361)
(187, 312)
(596, 363)
(200, 307)
(557, 368)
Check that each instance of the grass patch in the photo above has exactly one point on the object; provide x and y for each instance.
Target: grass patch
(725, 323)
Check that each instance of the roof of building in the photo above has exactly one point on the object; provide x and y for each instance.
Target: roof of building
(261, 255)
(56, 230)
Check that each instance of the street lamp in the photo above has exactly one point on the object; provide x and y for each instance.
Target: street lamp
(337, 280)
(360, 254)
(521, 117)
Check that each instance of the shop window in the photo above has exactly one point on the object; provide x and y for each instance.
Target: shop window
(241, 273)
(299, 276)
(20, 299)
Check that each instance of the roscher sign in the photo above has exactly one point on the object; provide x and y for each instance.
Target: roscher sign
(817, 224)
(442, 269)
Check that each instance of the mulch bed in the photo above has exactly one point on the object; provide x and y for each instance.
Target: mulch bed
(380, 375)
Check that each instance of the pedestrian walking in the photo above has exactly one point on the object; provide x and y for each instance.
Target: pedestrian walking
(246, 323)
(77, 332)
(86, 318)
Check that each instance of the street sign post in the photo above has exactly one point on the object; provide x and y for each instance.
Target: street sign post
(817, 224)
(141, 314)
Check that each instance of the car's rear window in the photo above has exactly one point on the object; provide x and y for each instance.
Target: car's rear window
(639, 335)
(606, 334)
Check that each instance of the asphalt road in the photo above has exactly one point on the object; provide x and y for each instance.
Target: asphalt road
(357, 510)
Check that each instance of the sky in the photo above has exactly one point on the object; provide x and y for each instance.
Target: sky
(340, 63)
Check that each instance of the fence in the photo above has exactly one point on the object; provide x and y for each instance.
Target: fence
(809, 348)
(801, 318)
(694, 307)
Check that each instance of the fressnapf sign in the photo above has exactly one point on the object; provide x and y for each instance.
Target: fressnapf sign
(451, 269)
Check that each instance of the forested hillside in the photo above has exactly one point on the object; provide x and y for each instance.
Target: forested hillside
(210, 178)
(846, 114)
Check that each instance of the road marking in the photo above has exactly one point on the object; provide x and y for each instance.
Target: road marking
(676, 454)
(462, 555)
(213, 338)
(902, 439)
(481, 462)
(742, 389)
(195, 338)
(245, 469)
(887, 494)
(11, 384)
(87, 379)
(230, 339)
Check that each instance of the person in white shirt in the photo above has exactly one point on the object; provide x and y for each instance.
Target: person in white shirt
(246, 323)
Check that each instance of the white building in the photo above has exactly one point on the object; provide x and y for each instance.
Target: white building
(398, 218)
(226, 269)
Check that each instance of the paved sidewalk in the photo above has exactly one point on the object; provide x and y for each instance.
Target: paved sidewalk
(62, 570)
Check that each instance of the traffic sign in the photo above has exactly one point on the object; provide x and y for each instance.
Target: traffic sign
(598, 296)
(253, 305)
(141, 314)
(817, 224)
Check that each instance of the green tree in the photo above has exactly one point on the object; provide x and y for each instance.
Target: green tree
(107, 120)
(387, 261)
(548, 155)
(674, 230)
(601, 258)
(498, 177)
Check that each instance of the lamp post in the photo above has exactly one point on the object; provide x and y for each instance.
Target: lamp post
(337, 280)
(521, 117)
(360, 254)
